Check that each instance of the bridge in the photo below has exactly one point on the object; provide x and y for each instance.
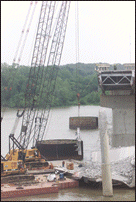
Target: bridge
(116, 79)
(118, 93)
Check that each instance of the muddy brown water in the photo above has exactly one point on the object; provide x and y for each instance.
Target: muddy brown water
(81, 194)
(58, 127)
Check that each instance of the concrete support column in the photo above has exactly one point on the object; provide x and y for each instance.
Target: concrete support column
(106, 172)
(106, 180)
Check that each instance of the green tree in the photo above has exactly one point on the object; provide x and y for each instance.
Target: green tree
(70, 81)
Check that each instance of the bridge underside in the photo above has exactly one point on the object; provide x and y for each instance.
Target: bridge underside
(117, 80)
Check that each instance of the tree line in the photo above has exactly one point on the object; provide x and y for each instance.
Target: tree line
(72, 79)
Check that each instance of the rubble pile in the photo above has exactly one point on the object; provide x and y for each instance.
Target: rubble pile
(122, 170)
(90, 170)
(125, 168)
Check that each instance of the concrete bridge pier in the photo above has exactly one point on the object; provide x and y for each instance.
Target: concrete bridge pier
(123, 121)
(123, 116)
(120, 85)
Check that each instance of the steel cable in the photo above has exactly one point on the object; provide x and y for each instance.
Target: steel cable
(22, 32)
(27, 32)
(77, 53)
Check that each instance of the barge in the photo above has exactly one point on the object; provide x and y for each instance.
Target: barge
(61, 149)
(41, 187)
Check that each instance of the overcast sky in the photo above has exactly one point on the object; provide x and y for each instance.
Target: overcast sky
(106, 31)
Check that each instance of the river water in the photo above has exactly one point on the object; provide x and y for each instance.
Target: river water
(57, 128)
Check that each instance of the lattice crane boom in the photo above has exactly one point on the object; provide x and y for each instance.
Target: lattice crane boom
(47, 88)
(35, 120)
(37, 65)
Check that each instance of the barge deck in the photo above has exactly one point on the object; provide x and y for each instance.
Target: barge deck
(43, 187)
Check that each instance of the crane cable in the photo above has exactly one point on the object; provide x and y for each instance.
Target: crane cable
(23, 45)
(27, 31)
(77, 55)
(77, 52)
(16, 53)
(14, 60)
(22, 33)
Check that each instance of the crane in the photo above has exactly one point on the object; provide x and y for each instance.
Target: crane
(41, 83)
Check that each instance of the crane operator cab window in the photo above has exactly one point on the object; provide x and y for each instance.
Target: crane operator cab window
(36, 153)
(21, 156)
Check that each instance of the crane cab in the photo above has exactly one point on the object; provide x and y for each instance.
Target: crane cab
(32, 154)
(24, 155)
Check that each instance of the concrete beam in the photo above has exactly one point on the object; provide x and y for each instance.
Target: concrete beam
(83, 122)
(118, 101)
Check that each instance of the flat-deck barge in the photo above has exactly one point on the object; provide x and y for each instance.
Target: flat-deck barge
(41, 187)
